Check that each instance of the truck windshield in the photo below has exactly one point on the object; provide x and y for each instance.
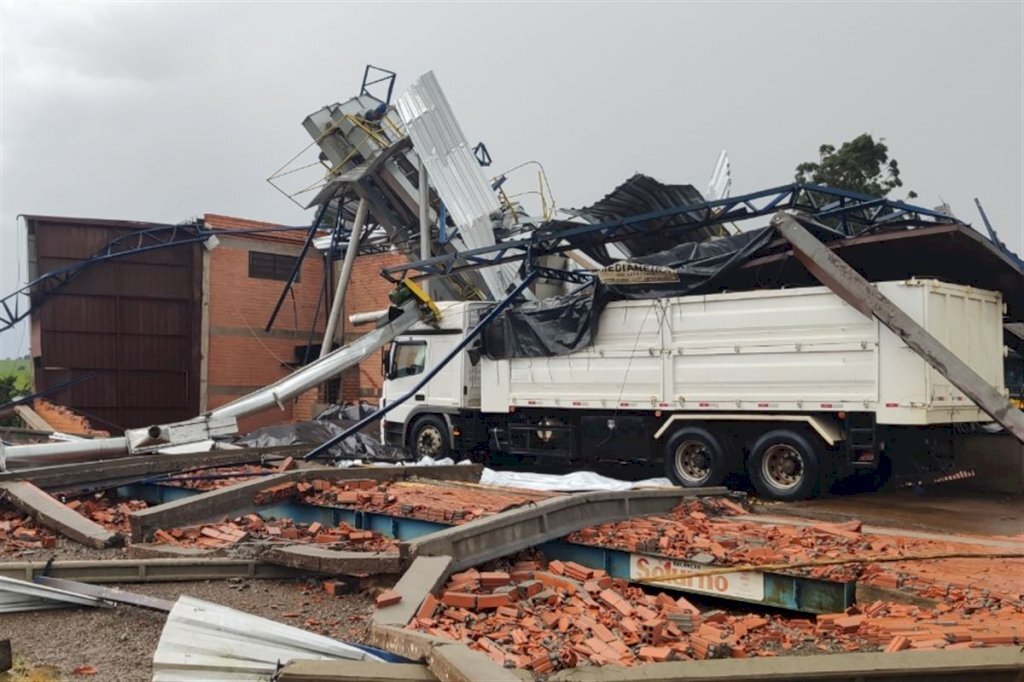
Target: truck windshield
(408, 358)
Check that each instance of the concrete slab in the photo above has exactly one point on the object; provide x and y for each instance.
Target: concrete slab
(321, 560)
(144, 550)
(456, 662)
(49, 512)
(238, 498)
(354, 671)
(415, 646)
(509, 532)
(997, 664)
(424, 575)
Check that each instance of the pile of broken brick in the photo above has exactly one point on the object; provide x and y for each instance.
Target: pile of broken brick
(569, 615)
(111, 513)
(21, 535)
(254, 527)
(450, 504)
(712, 531)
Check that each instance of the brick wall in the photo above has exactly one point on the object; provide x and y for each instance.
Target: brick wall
(242, 357)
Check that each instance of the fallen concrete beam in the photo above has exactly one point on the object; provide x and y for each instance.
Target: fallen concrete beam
(998, 664)
(354, 671)
(849, 285)
(424, 576)
(456, 662)
(415, 646)
(238, 498)
(114, 472)
(49, 512)
(146, 570)
(317, 559)
(495, 536)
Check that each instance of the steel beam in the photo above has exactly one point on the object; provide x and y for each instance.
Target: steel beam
(238, 498)
(847, 283)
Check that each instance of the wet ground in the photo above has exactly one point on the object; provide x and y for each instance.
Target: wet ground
(936, 509)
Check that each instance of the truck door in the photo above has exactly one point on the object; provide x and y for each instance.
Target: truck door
(405, 363)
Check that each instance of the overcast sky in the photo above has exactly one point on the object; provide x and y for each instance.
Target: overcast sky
(160, 112)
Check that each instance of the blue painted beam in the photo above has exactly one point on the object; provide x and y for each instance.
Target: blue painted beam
(797, 593)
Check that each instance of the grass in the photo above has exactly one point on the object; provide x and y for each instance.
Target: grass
(20, 368)
(24, 671)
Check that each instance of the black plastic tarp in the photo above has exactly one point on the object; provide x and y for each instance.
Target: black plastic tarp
(563, 324)
(313, 433)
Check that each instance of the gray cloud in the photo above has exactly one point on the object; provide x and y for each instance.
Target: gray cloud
(157, 111)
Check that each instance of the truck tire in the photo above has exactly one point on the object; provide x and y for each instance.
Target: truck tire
(429, 437)
(785, 465)
(696, 458)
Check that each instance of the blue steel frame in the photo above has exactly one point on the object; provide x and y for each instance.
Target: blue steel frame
(850, 213)
(38, 291)
(796, 593)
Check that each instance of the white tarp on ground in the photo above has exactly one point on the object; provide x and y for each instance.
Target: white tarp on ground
(578, 481)
(204, 641)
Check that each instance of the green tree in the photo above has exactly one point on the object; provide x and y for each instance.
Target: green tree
(9, 390)
(860, 165)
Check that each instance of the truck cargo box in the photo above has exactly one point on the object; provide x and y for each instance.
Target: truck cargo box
(802, 350)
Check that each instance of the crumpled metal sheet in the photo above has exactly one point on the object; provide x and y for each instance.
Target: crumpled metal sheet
(204, 641)
(20, 595)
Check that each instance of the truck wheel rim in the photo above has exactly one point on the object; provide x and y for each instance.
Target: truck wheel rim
(692, 461)
(428, 442)
(783, 466)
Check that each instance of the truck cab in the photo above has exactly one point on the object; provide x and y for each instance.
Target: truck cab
(440, 415)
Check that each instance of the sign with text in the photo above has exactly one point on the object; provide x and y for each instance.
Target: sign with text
(745, 585)
(637, 273)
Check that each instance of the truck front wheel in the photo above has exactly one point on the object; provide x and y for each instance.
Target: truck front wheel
(696, 458)
(430, 438)
(784, 465)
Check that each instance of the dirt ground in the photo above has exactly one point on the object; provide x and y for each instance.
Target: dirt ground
(119, 642)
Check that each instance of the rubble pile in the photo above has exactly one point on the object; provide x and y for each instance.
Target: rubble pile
(255, 527)
(569, 615)
(451, 504)
(110, 513)
(219, 477)
(20, 534)
(713, 532)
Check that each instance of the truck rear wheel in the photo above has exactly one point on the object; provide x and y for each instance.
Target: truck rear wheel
(696, 458)
(784, 465)
(430, 438)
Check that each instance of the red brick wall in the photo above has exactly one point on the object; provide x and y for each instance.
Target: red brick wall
(242, 357)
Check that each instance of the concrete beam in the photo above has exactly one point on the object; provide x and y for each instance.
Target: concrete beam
(847, 283)
(456, 662)
(424, 576)
(51, 513)
(147, 570)
(997, 664)
(123, 470)
(509, 532)
(354, 671)
(238, 498)
(318, 559)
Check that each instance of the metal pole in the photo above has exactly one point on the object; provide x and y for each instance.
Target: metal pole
(338, 305)
(424, 220)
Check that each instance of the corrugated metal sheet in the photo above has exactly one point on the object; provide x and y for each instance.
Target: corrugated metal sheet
(133, 321)
(638, 195)
(453, 171)
(204, 641)
(19, 595)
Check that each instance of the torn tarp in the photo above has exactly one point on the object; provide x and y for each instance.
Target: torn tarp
(564, 324)
(357, 446)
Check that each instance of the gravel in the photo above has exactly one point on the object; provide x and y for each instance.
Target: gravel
(120, 642)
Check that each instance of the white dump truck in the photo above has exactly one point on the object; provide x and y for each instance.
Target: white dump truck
(792, 387)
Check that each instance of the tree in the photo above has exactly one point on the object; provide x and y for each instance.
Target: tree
(860, 165)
